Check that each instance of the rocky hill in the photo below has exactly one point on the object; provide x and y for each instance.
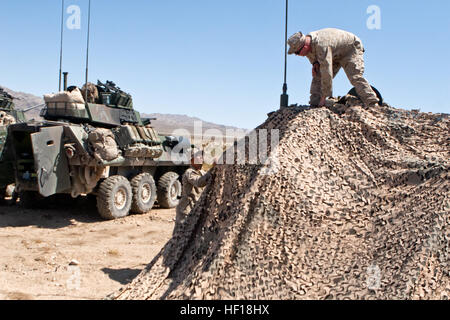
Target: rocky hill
(24, 100)
(166, 123)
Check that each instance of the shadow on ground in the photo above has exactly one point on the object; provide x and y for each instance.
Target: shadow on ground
(123, 276)
(54, 215)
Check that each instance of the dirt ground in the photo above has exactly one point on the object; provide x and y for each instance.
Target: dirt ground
(67, 251)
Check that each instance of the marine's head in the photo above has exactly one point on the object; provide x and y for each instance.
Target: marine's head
(299, 44)
(197, 160)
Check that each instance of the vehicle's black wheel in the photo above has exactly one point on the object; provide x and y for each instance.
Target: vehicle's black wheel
(144, 193)
(114, 198)
(169, 190)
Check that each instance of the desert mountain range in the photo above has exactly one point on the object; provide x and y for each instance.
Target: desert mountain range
(165, 123)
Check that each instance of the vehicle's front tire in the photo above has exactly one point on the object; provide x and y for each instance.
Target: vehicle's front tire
(144, 193)
(114, 198)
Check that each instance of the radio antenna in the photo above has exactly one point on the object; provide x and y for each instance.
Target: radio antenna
(284, 100)
(87, 50)
(61, 48)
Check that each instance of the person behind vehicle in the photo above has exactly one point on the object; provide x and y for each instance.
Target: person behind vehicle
(193, 181)
(329, 50)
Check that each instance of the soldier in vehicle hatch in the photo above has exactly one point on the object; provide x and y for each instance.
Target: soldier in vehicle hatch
(193, 181)
(329, 50)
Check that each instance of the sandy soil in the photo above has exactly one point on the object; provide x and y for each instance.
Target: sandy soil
(71, 253)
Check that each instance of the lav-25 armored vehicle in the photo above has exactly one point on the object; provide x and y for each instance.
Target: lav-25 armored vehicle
(8, 115)
(98, 144)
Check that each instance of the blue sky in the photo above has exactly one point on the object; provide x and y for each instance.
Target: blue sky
(222, 61)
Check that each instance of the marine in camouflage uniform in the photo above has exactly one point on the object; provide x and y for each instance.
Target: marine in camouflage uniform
(329, 50)
(193, 181)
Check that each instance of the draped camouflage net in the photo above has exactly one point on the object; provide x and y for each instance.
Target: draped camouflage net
(358, 208)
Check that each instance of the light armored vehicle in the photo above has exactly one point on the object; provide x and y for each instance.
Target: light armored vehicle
(8, 115)
(92, 141)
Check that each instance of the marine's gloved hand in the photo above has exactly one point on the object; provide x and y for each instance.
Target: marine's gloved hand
(315, 69)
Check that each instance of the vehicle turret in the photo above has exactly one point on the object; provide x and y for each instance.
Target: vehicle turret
(104, 105)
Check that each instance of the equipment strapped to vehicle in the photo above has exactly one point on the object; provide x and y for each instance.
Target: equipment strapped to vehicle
(65, 103)
(110, 94)
(104, 144)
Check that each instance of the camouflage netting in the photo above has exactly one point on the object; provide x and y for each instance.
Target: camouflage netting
(358, 209)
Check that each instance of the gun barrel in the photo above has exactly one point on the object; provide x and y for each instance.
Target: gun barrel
(34, 107)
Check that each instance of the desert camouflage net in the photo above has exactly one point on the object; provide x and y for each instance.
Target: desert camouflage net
(359, 209)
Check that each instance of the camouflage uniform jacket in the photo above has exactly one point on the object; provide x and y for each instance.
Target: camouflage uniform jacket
(193, 183)
(330, 46)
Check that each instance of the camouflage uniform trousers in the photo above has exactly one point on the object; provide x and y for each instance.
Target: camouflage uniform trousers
(353, 65)
(182, 211)
(193, 183)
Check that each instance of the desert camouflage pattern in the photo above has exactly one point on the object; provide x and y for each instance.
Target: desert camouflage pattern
(193, 183)
(295, 42)
(64, 101)
(104, 144)
(92, 92)
(358, 209)
(6, 119)
(334, 49)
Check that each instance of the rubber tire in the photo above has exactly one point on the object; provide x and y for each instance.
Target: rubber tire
(138, 205)
(105, 197)
(165, 183)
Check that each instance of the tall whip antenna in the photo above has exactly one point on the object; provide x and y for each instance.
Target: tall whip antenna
(87, 51)
(284, 100)
(61, 49)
